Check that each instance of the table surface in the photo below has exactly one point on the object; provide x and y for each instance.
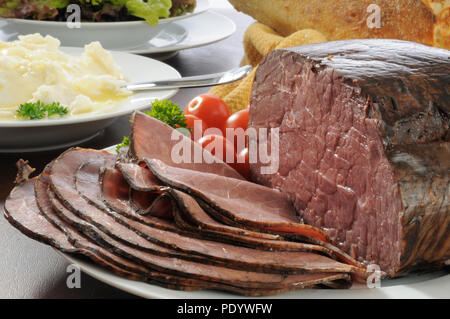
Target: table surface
(32, 270)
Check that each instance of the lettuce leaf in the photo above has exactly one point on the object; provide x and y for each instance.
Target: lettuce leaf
(151, 10)
(96, 10)
(32, 9)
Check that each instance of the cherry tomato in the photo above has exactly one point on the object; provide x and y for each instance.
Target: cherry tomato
(238, 123)
(219, 146)
(197, 126)
(238, 119)
(242, 164)
(211, 109)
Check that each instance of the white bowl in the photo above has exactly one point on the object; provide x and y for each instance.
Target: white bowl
(112, 35)
(39, 135)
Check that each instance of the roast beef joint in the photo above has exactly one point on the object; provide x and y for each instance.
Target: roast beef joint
(364, 133)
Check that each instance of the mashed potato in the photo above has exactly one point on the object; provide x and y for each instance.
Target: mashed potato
(34, 69)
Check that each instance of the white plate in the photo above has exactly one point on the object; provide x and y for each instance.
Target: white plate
(113, 35)
(203, 29)
(429, 285)
(40, 135)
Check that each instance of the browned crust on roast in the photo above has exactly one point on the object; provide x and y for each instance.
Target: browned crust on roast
(407, 84)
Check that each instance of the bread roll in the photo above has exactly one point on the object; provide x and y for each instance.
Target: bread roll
(423, 21)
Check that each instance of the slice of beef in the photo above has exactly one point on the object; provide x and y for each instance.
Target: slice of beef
(140, 178)
(131, 232)
(27, 218)
(115, 193)
(149, 203)
(239, 203)
(364, 133)
(180, 266)
(164, 145)
(99, 254)
(114, 189)
(191, 213)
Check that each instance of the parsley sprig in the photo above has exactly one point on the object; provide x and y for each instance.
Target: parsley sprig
(38, 110)
(169, 113)
(125, 143)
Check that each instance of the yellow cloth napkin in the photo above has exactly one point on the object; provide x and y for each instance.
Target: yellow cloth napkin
(259, 40)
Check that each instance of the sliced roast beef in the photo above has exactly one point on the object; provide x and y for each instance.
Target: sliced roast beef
(213, 252)
(53, 231)
(22, 211)
(190, 212)
(115, 192)
(24, 214)
(172, 264)
(364, 133)
(62, 183)
(193, 269)
(28, 218)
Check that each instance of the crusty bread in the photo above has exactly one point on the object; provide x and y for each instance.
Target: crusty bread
(441, 32)
(423, 21)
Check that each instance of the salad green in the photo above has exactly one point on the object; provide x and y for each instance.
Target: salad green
(96, 10)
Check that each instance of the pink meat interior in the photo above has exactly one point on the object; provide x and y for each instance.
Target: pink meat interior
(332, 161)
